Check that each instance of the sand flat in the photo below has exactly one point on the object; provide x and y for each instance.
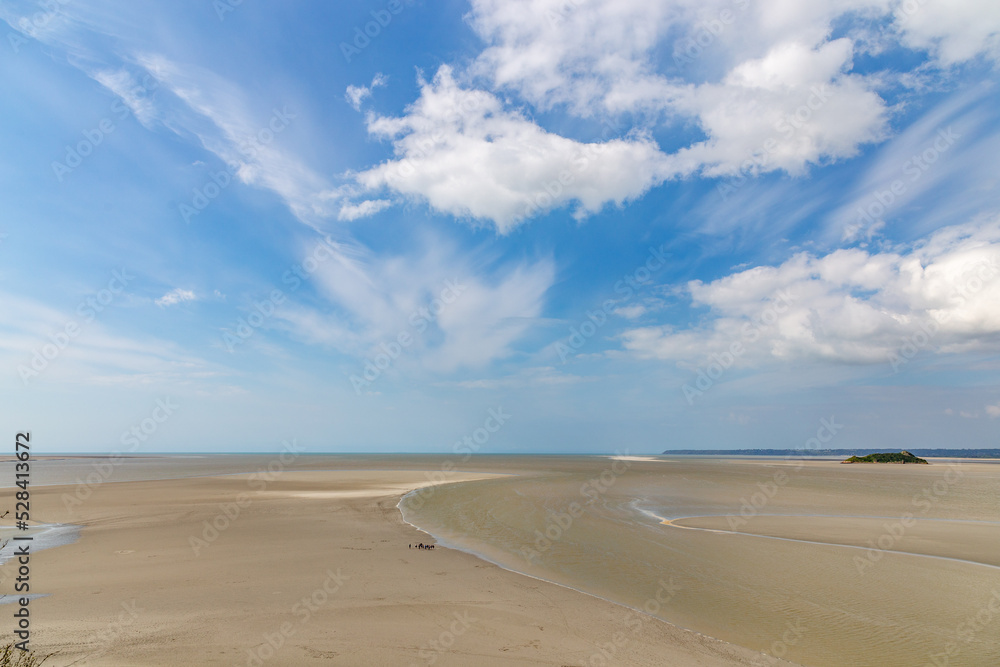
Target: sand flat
(314, 569)
(897, 610)
(314, 561)
(973, 541)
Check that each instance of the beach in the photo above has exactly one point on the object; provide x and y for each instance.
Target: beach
(816, 562)
(303, 565)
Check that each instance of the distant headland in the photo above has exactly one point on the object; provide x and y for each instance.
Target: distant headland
(831, 453)
(887, 457)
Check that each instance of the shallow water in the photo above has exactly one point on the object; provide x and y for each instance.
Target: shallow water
(44, 536)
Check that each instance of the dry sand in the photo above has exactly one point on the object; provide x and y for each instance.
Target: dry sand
(314, 569)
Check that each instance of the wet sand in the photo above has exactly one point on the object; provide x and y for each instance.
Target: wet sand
(310, 567)
(970, 541)
(820, 563)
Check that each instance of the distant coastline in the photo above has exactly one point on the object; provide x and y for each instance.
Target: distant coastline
(823, 453)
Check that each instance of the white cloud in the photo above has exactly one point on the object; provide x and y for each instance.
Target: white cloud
(602, 54)
(191, 101)
(489, 318)
(582, 54)
(795, 106)
(993, 410)
(746, 73)
(175, 296)
(36, 343)
(953, 31)
(369, 207)
(631, 312)
(134, 93)
(604, 58)
(219, 115)
(850, 306)
(462, 152)
(594, 56)
(456, 313)
(527, 377)
(939, 169)
(356, 94)
(47, 24)
(786, 99)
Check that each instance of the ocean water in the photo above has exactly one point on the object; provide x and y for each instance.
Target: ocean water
(805, 596)
(96, 470)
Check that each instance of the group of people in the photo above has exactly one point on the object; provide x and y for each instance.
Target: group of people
(423, 546)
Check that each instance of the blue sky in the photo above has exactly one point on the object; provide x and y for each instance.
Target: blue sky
(628, 225)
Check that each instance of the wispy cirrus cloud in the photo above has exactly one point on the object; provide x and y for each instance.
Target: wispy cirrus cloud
(190, 100)
(41, 345)
(456, 313)
(176, 296)
(218, 113)
(939, 169)
(536, 376)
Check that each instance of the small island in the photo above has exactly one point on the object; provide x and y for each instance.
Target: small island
(888, 457)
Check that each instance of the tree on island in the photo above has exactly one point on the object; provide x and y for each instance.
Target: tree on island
(887, 457)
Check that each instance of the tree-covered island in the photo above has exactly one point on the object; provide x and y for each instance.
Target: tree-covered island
(888, 457)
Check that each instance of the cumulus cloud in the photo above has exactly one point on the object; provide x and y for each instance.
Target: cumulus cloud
(175, 296)
(763, 79)
(606, 54)
(848, 306)
(952, 32)
(768, 88)
(466, 155)
(786, 98)
(993, 410)
(795, 106)
(355, 95)
(582, 54)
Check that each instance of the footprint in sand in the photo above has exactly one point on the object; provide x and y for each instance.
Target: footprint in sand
(125, 551)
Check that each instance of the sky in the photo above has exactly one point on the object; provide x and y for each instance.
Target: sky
(572, 226)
